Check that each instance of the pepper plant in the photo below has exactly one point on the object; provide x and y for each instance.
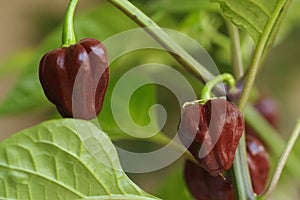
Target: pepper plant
(77, 156)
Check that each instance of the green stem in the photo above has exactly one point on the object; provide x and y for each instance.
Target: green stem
(240, 171)
(237, 60)
(68, 34)
(241, 177)
(261, 50)
(162, 139)
(281, 163)
(180, 55)
(242, 180)
(206, 91)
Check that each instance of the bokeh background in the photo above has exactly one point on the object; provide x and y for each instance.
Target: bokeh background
(24, 24)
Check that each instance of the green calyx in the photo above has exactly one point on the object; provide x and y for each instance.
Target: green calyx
(206, 91)
(68, 34)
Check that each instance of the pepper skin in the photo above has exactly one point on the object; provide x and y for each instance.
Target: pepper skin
(204, 186)
(258, 163)
(75, 78)
(214, 130)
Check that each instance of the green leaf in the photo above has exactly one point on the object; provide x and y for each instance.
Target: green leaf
(119, 197)
(260, 18)
(63, 159)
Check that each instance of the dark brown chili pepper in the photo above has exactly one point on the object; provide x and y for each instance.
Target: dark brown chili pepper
(203, 186)
(258, 163)
(212, 132)
(75, 78)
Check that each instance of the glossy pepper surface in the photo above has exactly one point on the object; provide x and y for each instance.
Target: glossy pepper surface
(258, 163)
(211, 132)
(75, 78)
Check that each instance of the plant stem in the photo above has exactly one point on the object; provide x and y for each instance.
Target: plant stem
(242, 180)
(180, 55)
(281, 163)
(68, 34)
(162, 139)
(240, 172)
(237, 60)
(263, 46)
(206, 90)
(276, 144)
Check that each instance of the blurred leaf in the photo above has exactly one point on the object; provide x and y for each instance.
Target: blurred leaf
(178, 6)
(139, 105)
(16, 62)
(291, 21)
(205, 27)
(63, 159)
(174, 187)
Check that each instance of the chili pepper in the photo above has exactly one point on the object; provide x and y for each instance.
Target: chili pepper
(268, 108)
(211, 132)
(258, 163)
(204, 186)
(82, 65)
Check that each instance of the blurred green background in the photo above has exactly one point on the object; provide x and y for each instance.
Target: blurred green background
(25, 25)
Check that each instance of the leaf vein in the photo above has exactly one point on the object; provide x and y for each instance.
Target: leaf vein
(261, 8)
(44, 177)
(247, 20)
(74, 156)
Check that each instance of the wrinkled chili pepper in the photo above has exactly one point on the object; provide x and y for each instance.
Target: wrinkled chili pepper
(75, 78)
(211, 132)
(203, 186)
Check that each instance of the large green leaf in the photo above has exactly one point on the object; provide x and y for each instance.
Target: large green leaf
(63, 159)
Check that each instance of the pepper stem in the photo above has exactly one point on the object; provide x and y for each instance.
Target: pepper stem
(68, 34)
(282, 161)
(206, 91)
